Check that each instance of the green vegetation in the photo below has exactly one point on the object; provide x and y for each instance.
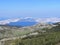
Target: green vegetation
(51, 36)
(7, 32)
(19, 33)
(45, 39)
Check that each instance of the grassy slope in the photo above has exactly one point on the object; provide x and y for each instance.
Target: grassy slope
(51, 37)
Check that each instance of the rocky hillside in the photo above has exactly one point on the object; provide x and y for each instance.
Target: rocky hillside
(39, 36)
(12, 31)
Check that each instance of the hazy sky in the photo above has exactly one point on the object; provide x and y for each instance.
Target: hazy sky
(29, 8)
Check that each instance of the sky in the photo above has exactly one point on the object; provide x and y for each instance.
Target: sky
(29, 8)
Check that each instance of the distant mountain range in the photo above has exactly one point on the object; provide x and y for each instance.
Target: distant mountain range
(28, 21)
